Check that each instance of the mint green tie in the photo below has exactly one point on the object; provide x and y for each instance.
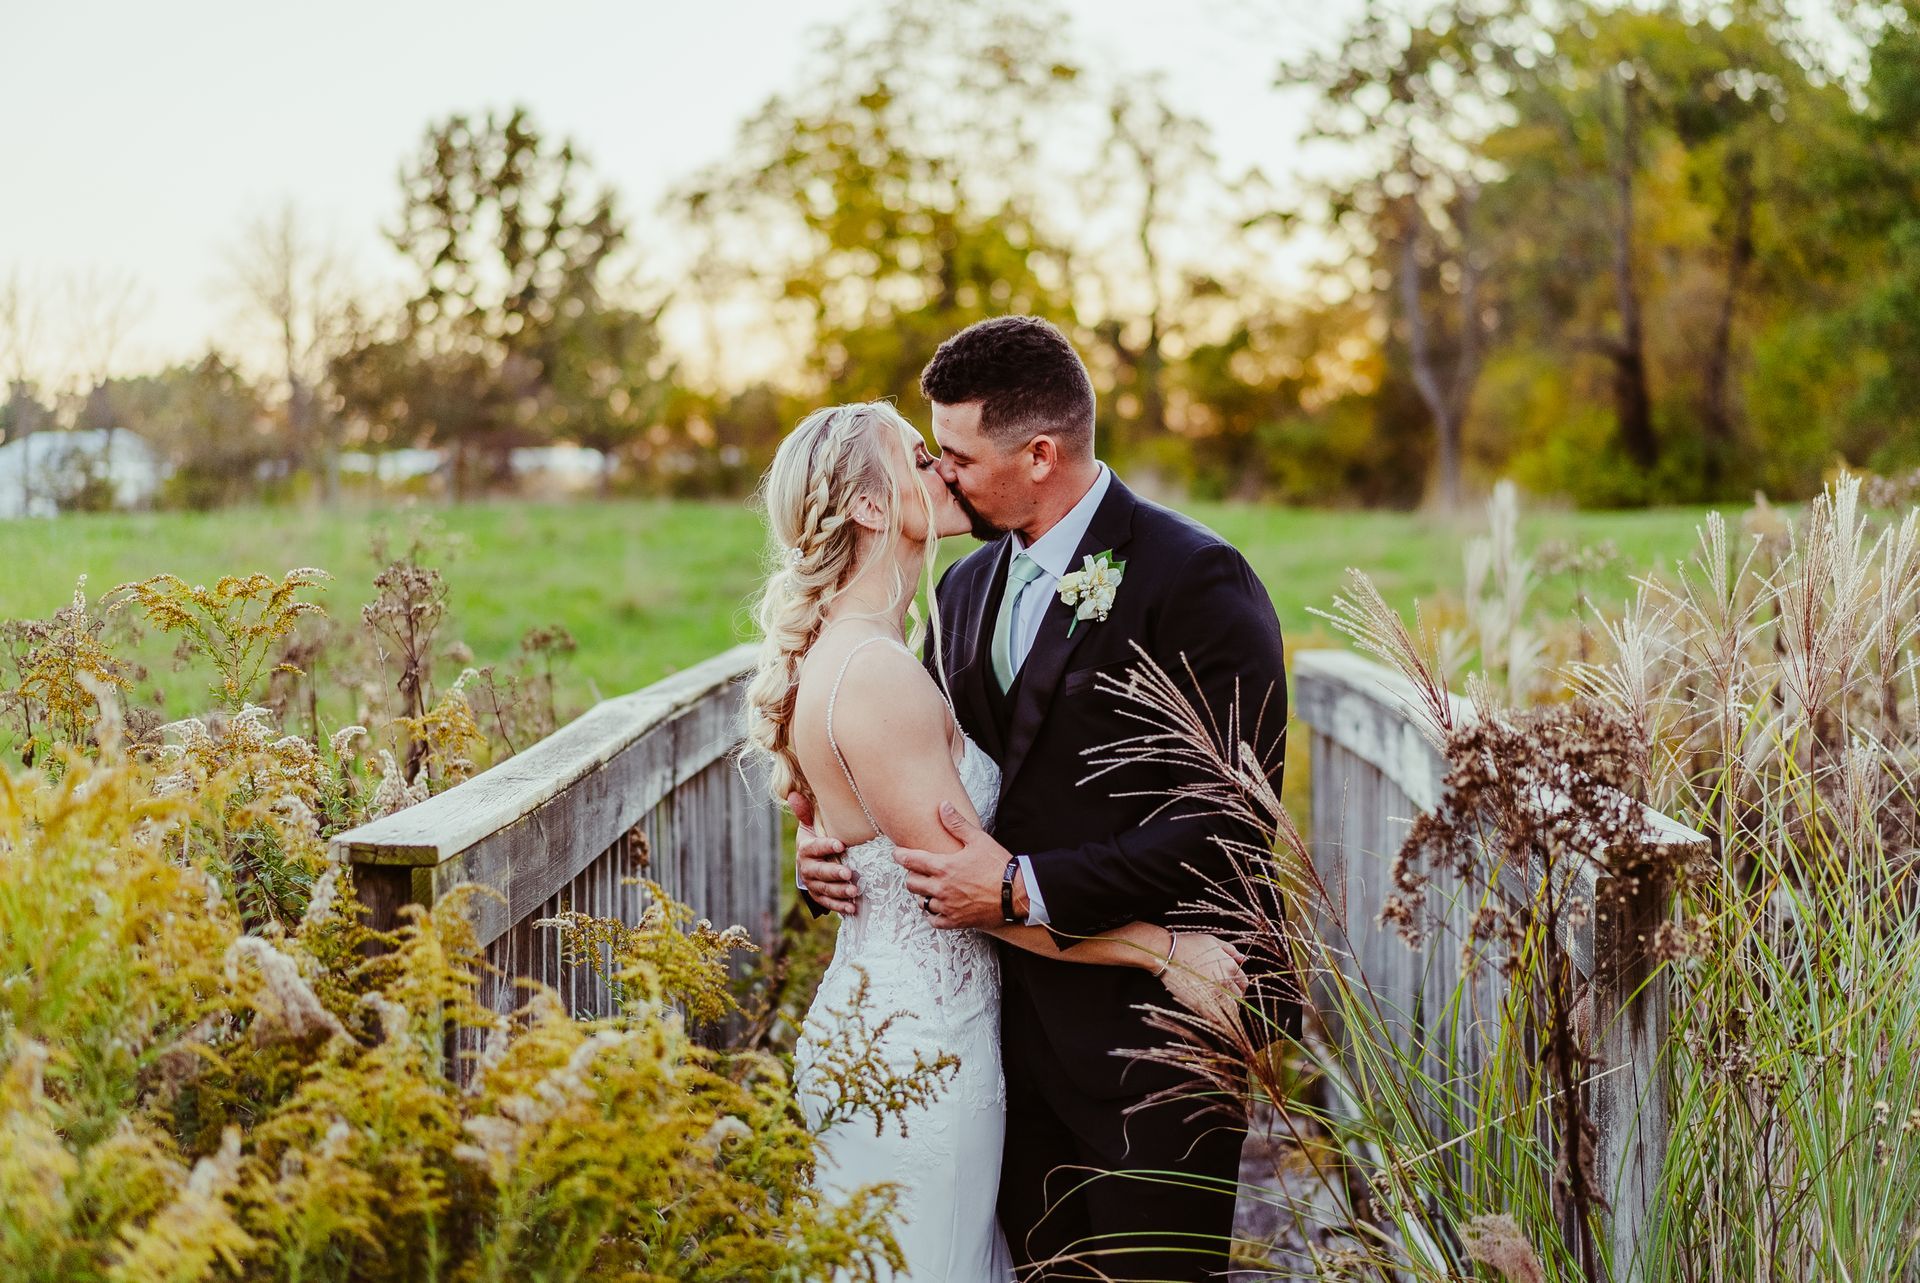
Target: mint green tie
(1022, 572)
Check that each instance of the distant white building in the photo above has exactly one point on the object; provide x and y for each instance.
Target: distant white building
(391, 467)
(559, 468)
(42, 472)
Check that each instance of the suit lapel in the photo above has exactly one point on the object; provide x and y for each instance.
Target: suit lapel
(1040, 673)
(969, 684)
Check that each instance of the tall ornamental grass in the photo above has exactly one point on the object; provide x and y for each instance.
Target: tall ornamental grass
(1763, 689)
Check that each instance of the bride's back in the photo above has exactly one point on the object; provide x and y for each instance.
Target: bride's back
(859, 685)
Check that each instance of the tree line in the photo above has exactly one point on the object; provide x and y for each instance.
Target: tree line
(1628, 253)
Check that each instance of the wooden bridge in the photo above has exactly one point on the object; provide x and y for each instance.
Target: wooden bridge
(648, 783)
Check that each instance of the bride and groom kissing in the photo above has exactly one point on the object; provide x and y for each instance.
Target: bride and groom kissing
(1007, 911)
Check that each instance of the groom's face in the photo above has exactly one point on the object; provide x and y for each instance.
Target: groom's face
(992, 484)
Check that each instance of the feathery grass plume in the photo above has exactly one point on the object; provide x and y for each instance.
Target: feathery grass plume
(1546, 788)
(1364, 615)
(1768, 693)
(1497, 1242)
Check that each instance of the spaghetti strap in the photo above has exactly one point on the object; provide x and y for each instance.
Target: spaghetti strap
(833, 697)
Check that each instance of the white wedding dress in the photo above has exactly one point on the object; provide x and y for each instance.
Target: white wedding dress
(945, 986)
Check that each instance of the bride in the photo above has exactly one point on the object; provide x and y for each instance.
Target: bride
(847, 715)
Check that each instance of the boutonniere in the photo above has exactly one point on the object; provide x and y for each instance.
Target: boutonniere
(1090, 589)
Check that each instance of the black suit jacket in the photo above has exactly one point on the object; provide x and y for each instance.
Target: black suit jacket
(1101, 854)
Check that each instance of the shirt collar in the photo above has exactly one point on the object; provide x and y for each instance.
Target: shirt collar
(1053, 551)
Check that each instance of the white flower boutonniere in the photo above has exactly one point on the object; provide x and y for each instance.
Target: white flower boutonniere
(1090, 589)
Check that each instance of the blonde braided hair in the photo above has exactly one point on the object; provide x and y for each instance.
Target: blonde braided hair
(832, 457)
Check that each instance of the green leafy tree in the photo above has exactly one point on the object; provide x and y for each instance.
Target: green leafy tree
(1157, 159)
(209, 424)
(1412, 100)
(1656, 162)
(510, 237)
(893, 199)
(611, 379)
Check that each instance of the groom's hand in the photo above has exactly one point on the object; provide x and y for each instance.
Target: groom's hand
(963, 886)
(829, 879)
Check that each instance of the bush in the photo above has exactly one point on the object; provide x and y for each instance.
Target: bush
(211, 1068)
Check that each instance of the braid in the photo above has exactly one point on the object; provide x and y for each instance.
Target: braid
(818, 470)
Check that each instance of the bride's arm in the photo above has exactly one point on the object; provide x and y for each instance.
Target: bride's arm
(1203, 972)
(1137, 944)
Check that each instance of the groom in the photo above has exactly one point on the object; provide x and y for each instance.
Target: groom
(1137, 1190)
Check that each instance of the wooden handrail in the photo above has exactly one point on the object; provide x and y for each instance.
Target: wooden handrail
(642, 784)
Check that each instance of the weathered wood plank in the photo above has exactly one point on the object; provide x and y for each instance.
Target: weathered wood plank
(451, 822)
(511, 829)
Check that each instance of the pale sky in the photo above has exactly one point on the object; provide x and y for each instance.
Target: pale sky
(141, 136)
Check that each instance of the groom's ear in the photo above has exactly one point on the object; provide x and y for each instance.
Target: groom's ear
(1043, 456)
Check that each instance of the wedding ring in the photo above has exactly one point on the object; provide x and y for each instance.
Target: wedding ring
(926, 902)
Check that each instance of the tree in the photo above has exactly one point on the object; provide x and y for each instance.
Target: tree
(510, 237)
(102, 308)
(611, 379)
(22, 413)
(1413, 99)
(207, 422)
(1155, 157)
(292, 285)
(21, 318)
(1870, 190)
(1657, 160)
(855, 211)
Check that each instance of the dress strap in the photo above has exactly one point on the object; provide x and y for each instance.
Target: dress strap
(833, 698)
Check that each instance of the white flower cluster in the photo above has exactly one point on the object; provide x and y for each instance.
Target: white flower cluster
(1090, 589)
(394, 793)
(499, 1139)
(299, 1011)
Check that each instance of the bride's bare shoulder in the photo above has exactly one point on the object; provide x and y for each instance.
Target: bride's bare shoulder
(872, 686)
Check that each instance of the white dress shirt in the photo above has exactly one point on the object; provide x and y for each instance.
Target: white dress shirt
(1053, 553)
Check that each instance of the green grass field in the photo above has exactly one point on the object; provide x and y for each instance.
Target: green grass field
(650, 587)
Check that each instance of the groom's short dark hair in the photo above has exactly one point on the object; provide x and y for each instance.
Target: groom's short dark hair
(1026, 377)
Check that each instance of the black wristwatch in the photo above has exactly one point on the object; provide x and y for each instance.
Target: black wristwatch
(1006, 890)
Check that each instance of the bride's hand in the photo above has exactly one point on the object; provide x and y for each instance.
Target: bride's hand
(1205, 977)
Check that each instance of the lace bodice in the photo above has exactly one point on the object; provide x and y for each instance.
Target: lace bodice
(893, 936)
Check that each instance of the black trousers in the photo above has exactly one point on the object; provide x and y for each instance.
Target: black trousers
(1140, 1197)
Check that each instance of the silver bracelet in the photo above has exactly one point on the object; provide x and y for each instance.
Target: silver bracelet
(1173, 938)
